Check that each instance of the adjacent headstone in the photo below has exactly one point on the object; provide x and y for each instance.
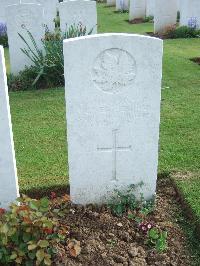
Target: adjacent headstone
(190, 11)
(76, 12)
(21, 18)
(9, 190)
(165, 14)
(50, 11)
(113, 90)
(137, 9)
(3, 5)
(150, 7)
(122, 5)
(111, 2)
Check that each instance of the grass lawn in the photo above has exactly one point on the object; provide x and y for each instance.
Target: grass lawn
(40, 129)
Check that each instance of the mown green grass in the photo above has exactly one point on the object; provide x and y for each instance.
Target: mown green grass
(6, 51)
(110, 21)
(40, 129)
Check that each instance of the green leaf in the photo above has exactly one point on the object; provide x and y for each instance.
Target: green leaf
(153, 233)
(32, 246)
(47, 261)
(13, 256)
(33, 205)
(40, 254)
(26, 237)
(5, 229)
(43, 243)
(32, 255)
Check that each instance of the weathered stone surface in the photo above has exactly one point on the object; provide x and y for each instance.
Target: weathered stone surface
(113, 87)
(50, 10)
(190, 10)
(137, 9)
(75, 12)
(9, 190)
(111, 2)
(165, 14)
(3, 5)
(21, 18)
(150, 7)
(122, 5)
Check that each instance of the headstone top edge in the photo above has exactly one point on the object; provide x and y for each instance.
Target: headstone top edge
(23, 4)
(98, 36)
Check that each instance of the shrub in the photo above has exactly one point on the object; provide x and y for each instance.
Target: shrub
(31, 231)
(181, 32)
(27, 233)
(25, 80)
(3, 35)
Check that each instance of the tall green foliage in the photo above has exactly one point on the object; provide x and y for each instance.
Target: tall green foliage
(48, 61)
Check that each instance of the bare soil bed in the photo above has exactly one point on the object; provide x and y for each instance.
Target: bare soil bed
(103, 239)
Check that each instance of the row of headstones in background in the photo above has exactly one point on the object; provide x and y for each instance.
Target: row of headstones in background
(9, 190)
(164, 12)
(23, 17)
(113, 116)
(49, 9)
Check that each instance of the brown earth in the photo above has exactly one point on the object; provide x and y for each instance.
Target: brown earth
(137, 21)
(103, 239)
(196, 60)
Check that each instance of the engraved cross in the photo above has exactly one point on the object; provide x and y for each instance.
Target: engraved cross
(114, 149)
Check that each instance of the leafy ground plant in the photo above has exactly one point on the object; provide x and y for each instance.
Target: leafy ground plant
(158, 239)
(29, 233)
(122, 201)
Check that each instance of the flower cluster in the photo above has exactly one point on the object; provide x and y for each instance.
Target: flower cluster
(145, 226)
(3, 29)
(193, 22)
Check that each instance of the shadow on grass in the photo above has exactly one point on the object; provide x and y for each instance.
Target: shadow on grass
(45, 192)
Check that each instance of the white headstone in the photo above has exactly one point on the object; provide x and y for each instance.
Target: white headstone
(190, 10)
(165, 14)
(21, 18)
(111, 2)
(150, 6)
(9, 190)
(113, 112)
(179, 4)
(122, 5)
(3, 5)
(50, 10)
(75, 12)
(137, 9)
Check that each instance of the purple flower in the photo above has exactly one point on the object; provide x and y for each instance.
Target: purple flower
(193, 22)
(3, 29)
(145, 227)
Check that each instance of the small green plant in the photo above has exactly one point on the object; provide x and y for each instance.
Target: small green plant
(122, 202)
(148, 19)
(158, 239)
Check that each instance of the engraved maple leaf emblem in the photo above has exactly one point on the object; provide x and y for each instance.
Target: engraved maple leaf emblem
(114, 69)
